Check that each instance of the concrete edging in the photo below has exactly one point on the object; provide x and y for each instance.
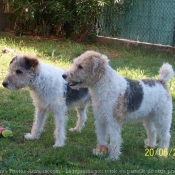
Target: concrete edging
(129, 44)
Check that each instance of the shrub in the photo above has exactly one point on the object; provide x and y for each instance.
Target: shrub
(74, 18)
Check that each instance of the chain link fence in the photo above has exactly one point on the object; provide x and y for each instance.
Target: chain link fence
(151, 21)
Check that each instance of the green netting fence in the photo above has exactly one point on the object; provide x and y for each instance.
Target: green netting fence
(151, 21)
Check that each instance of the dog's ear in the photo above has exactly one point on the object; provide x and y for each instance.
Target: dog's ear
(94, 65)
(31, 63)
(105, 59)
(98, 63)
(12, 60)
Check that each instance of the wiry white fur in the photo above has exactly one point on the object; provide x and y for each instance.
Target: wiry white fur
(104, 94)
(155, 110)
(47, 89)
(47, 92)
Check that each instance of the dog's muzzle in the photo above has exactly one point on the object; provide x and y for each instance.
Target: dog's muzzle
(5, 84)
(72, 83)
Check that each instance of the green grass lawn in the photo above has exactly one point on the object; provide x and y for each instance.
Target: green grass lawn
(16, 109)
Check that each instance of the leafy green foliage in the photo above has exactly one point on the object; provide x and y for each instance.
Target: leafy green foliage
(74, 18)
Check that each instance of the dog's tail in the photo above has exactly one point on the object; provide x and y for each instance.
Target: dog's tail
(166, 73)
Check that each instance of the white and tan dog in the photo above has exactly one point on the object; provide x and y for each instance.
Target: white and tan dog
(117, 99)
(50, 93)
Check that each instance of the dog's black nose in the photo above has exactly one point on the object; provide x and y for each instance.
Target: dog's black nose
(5, 84)
(64, 76)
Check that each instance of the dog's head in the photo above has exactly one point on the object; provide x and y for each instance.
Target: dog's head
(22, 69)
(87, 69)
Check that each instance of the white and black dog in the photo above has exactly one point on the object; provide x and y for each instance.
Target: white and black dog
(117, 99)
(50, 93)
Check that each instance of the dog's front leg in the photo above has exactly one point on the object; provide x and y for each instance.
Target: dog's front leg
(60, 136)
(38, 124)
(115, 141)
(81, 114)
(101, 132)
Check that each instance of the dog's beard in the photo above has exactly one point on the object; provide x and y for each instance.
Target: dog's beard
(12, 88)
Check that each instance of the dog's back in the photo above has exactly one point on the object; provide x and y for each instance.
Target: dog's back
(47, 86)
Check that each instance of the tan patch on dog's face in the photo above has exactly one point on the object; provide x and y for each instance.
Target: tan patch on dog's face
(120, 109)
(21, 71)
(87, 69)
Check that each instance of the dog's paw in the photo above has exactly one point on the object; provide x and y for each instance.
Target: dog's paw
(74, 129)
(57, 145)
(113, 155)
(147, 145)
(29, 136)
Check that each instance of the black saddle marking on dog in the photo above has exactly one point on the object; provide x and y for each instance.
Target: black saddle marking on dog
(73, 95)
(134, 95)
(149, 82)
(152, 82)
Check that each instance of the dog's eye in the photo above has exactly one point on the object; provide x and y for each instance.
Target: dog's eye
(18, 71)
(80, 67)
